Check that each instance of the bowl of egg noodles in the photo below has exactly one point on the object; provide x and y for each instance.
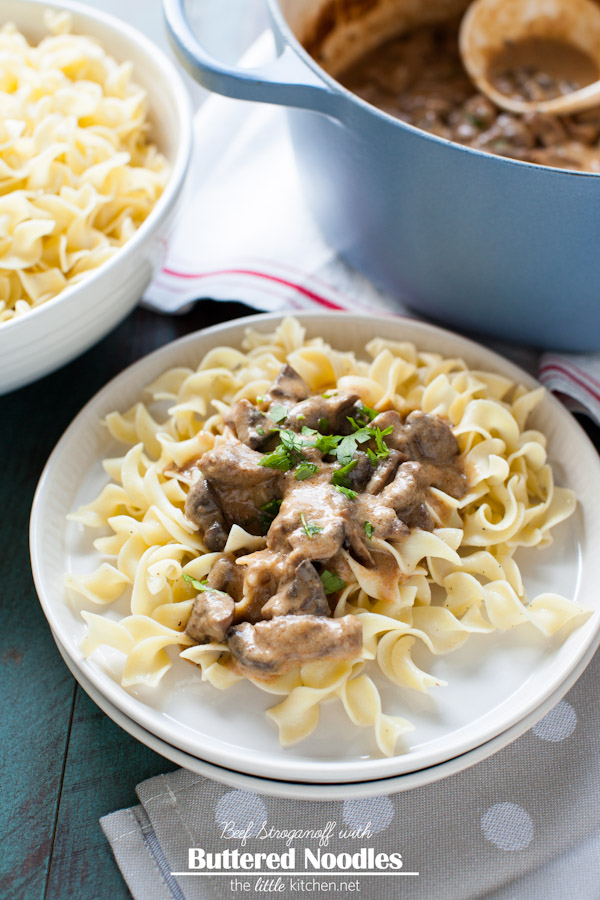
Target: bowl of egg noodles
(95, 141)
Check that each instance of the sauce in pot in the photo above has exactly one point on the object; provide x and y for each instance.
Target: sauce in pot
(419, 78)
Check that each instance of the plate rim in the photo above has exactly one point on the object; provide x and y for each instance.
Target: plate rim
(392, 766)
(325, 791)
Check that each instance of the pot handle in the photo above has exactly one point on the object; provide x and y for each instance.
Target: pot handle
(286, 80)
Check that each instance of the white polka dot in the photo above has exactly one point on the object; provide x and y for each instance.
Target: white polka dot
(508, 826)
(243, 809)
(558, 724)
(378, 811)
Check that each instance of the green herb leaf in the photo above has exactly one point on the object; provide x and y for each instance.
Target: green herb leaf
(278, 413)
(307, 430)
(293, 442)
(332, 582)
(347, 492)
(369, 530)
(382, 447)
(260, 398)
(326, 443)
(310, 528)
(374, 459)
(323, 424)
(278, 459)
(199, 585)
(346, 449)
(287, 454)
(260, 430)
(305, 470)
(340, 476)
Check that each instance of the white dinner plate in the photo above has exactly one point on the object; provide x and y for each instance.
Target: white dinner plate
(297, 790)
(494, 681)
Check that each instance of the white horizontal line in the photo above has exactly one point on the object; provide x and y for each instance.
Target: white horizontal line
(237, 873)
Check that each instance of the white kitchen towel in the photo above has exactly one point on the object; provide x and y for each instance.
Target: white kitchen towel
(244, 233)
(521, 825)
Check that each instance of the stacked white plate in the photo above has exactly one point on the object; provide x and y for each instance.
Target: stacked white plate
(498, 685)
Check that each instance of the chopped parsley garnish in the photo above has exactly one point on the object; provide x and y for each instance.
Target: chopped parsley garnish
(348, 445)
(340, 476)
(288, 452)
(329, 394)
(268, 512)
(347, 492)
(305, 470)
(278, 413)
(326, 443)
(332, 582)
(199, 585)
(310, 528)
(365, 414)
(369, 530)
(323, 424)
(382, 447)
(278, 459)
(374, 459)
(260, 430)
(361, 434)
(260, 398)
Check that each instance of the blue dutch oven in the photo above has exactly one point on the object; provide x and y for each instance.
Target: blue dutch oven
(487, 244)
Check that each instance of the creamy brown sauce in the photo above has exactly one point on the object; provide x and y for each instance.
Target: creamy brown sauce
(320, 476)
(541, 69)
(419, 78)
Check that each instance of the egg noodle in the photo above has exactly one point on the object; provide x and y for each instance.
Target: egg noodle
(457, 580)
(77, 174)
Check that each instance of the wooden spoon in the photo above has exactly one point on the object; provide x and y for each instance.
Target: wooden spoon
(489, 27)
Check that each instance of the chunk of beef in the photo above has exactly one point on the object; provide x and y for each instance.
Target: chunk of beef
(386, 524)
(361, 473)
(321, 505)
(385, 471)
(240, 485)
(419, 517)
(279, 644)
(332, 412)
(301, 593)
(405, 491)
(398, 438)
(202, 508)
(226, 576)
(288, 388)
(233, 464)
(211, 617)
(260, 583)
(355, 540)
(431, 438)
(251, 426)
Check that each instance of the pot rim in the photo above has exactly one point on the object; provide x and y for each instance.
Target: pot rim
(278, 18)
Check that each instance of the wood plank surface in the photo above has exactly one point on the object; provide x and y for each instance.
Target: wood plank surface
(63, 762)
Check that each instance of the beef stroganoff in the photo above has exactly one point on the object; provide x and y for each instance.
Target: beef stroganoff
(303, 518)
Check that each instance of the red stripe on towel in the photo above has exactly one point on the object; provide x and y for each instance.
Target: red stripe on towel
(562, 370)
(306, 292)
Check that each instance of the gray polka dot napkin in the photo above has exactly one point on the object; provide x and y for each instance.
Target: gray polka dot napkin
(522, 825)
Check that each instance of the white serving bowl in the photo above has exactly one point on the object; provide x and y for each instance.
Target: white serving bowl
(50, 335)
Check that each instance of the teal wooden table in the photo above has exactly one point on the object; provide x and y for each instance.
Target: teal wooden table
(64, 762)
